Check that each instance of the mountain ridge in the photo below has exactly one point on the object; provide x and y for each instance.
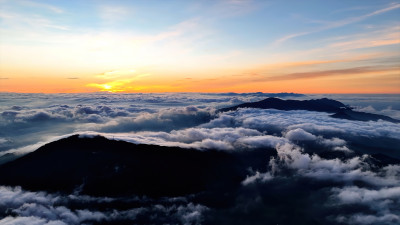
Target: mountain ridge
(338, 109)
(99, 166)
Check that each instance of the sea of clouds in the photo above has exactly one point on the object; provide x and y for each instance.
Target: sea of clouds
(323, 164)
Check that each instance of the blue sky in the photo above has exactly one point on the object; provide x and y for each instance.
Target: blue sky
(174, 40)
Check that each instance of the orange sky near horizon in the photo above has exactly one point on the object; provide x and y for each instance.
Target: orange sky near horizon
(376, 82)
(283, 78)
(309, 77)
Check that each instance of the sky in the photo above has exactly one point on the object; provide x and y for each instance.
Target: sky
(200, 46)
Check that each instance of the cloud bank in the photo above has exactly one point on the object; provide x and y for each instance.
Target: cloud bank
(325, 170)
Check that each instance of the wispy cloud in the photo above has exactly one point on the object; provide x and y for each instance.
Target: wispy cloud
(368, 40)
(339, 23)
(291, 36)
(346, 48)
(116, 74)
(223, 9)
(114, 13)
(337, 72)
(235, 7)
(356, 8)
(20, 21)
(49, 7)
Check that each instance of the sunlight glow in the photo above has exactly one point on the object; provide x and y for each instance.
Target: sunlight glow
(107, 86)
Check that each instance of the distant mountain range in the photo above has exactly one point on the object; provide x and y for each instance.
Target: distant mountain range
(260, 94)
(338, 109)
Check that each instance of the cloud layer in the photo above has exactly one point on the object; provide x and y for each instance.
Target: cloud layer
(26, 207)
(326, 170)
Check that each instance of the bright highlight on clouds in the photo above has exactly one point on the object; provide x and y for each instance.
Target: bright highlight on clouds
(191, 46)
(121, 81)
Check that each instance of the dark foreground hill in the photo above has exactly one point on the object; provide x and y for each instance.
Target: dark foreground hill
(340, 110)
(99, 166)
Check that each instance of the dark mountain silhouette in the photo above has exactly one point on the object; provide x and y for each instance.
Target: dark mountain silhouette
(339, 109)
(320, 105)
(7, 157)
(99, 166)
(106, 167)
(261, 94)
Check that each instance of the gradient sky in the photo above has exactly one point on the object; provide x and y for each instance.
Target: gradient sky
(200, 46)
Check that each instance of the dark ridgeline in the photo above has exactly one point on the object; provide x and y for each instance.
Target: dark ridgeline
(261, 94)
(362, 116)
(340, 110)
(114, 168)
(320, 105)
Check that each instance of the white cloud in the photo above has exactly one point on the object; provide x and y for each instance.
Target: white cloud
(383, 203)
(263, 177)
(351, 195)
(347, 171)
(300, 135)
(50, 209)
(339, 23)
(390, 219)
(333, 142)
(30, 220)
(262, 141)
(312, 122)
(389, 111)
(113, 13)
(52, 8)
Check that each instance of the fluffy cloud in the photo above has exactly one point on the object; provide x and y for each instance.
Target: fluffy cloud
(358, 185)
(102, 114)
(31, 118)
(356, 195)
(348, 170)
(226, 130)
(389, 111)
(29, 220)
(313, 122)
(42, 208)
(334, 142)
(382, 203)
(164, 120)
(246, 128)
(389, 219)
(300, 135)
(31, 126)
(262, 177)
(199, 138)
